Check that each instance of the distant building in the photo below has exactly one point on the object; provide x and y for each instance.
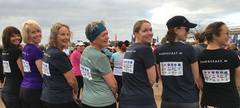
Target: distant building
(235, 35)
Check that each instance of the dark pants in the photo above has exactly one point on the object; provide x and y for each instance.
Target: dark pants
(30, 98)
(64, 105)
(11, 101)
(119, 83)
(80, 85)
(137, 106)
(179, 105)
(110, 106)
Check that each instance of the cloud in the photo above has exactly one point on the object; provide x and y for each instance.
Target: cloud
(119, 15)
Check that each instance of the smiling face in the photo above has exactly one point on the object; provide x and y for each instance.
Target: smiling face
(15, 39)
(223, 37)
(102, 40)
(35, 35)
(144, 35)
(63, 37)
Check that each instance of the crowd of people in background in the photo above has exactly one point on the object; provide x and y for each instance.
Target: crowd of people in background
(202, 74)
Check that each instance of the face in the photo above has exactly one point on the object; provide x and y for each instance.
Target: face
(80, 48)
(35, 35)
(223, 37)
(181, 32)
(63, 37)
(102, 40)
(144, 35)
(15, 39)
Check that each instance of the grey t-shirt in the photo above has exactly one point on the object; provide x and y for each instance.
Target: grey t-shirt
(94, 64)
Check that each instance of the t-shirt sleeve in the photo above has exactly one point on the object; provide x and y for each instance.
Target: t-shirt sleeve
(191, 54)
(112, 57)
(37, 54)
(156, 55)
(102, 65)
(236, 59)
(147, 57)
(62, 63)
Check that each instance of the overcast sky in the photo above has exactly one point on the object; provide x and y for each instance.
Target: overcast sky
(119, 15)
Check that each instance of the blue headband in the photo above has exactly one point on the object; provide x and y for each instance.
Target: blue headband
(98, 30)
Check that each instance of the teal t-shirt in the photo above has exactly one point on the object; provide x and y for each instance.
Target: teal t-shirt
(94, 64)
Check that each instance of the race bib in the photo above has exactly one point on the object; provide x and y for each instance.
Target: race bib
(45, 69)
(6, 66)
(128, 66)
(216, 76)
(86, 72)
(26, 66)
(171, 68)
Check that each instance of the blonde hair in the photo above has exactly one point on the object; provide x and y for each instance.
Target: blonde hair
(26, 26)
(54, 33)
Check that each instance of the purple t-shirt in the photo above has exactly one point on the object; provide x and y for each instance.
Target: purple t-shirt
(32, 77)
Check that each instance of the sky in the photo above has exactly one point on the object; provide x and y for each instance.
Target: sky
(119, 15)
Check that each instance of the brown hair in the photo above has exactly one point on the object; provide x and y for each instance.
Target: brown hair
(212, 30)
(171, 35)
(8, 32)
(54, 32)
(137, 26)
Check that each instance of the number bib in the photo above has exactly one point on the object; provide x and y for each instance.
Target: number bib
(6, 66)
(171, 68)
(128, 66)
(26, 66)
(45, 69)
(216, 76)
(86, 72)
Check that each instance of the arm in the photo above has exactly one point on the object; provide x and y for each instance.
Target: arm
(20, 65)
(111, 82)
(151, 72)
(71, 81)
(237, 74)
(196, 75)
(39, 65)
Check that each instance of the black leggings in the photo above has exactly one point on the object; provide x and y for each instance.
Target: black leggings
(80, 85)
(11, 101)
(64, 105)
(110, 106)
(30, 98)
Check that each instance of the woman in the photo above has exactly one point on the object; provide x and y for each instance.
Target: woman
(31, 85)
(220, 69)
(117, 60)
(100, 85)
(59, 82)
(75, 61)
(178, 67)
(11, 58)
(139, 72)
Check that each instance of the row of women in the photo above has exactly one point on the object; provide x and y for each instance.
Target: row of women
(36, 80)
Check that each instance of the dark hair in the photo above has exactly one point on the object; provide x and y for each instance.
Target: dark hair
(212, 30)
(137, 26)
(8, 32)
(171, 35)
(200, 37)
(122, 46)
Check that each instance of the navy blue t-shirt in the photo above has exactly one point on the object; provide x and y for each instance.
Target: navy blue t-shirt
(217, 68)
(136, 89)
(13, 76)
(56, 89)
(175, 68)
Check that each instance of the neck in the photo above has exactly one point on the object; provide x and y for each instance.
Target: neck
(213, 46)
(36, 44)
(95, 46)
